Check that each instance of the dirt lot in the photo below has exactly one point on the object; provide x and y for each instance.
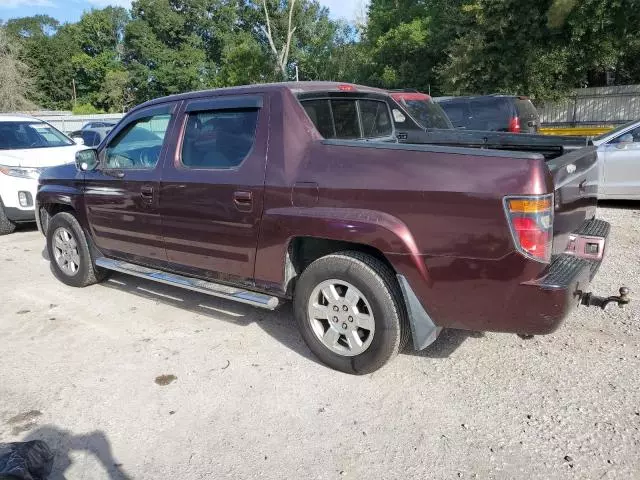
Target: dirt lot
(240, 396)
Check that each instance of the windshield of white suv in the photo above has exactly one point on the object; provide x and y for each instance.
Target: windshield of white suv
(21, 135)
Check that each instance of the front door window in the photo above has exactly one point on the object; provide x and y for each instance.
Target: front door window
(138, 146)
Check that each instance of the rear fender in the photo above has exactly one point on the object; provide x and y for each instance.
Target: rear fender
(377, 230)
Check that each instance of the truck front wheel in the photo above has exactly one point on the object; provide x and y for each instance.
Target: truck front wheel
(69, 252)
(350, 312)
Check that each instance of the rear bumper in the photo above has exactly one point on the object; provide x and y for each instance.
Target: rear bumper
(512, 294)
(553, 295)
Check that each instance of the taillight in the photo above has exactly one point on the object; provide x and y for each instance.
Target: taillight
(514, 125)
(531, 222)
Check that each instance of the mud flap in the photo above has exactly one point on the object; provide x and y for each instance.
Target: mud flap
(423, 331)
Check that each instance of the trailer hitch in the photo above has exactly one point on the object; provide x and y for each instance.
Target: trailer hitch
(591, 300)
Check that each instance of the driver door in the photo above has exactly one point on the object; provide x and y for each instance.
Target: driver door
(122, 194)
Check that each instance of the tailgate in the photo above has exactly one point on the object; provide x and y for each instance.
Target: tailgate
(575, 177)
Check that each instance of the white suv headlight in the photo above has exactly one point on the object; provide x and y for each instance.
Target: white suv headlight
(20, 172)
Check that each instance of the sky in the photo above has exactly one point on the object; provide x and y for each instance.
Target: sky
(70, 10)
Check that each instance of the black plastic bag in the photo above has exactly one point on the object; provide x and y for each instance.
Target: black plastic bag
(25, 460)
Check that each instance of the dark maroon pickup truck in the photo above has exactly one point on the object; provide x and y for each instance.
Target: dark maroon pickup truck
(236, 193)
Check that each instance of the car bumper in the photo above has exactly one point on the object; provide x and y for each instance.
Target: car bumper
(551, 297)
(510, 295)
(10, 188)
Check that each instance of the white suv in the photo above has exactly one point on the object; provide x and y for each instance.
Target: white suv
(27, 146)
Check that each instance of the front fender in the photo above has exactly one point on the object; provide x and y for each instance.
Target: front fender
(69, 196)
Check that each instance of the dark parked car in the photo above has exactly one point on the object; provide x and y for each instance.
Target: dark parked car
(500, 113)
(423, 109)
(236, 193)
(98, 124)
(91, 136)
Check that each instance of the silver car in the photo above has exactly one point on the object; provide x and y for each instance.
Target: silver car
(619, 160)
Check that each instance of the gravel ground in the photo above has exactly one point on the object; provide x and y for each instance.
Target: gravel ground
(131, 379)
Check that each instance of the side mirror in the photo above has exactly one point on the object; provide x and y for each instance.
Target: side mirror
(78, 140)
(87, 160)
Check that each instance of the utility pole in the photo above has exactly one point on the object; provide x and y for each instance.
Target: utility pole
(297, 78)
(75, 99)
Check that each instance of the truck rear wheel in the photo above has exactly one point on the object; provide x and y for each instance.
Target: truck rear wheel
(69, 252)
(6, 225)
(350, 312)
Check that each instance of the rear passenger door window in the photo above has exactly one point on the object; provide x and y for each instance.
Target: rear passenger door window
(218, 139)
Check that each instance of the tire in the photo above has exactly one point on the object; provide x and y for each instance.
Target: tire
(77, 251)
(381, 311)
(6, 225)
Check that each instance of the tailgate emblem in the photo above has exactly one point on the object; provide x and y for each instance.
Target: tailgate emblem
(571, 168)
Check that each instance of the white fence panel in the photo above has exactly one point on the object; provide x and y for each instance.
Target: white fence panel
(70, 123)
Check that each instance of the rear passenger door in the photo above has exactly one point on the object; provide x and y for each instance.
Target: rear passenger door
(212, 187)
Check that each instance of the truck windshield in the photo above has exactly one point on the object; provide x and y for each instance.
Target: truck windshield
(30, 134)
(427, 113)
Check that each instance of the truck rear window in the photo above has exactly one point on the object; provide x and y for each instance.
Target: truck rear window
(375, 119)
(345, 118)
(339, 118)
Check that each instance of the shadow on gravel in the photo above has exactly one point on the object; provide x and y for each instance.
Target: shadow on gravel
(63, 442)
(447, 343)
(26, 227)
(620, 204)
(279, 323)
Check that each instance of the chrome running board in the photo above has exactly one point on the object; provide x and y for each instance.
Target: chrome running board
(231, 293)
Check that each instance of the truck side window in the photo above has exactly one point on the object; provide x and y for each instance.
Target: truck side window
(375, 119)
(345, 117)
(320, 114)
(219, 139)
(138, 146)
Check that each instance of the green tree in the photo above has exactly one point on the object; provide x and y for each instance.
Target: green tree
(14, 77)
(47, 48)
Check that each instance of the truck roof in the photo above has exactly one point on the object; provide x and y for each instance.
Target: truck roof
(294, 87)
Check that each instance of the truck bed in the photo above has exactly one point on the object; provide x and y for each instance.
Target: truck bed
(548, 146)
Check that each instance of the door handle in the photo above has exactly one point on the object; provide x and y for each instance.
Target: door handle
(146, 191)
(243, 201)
